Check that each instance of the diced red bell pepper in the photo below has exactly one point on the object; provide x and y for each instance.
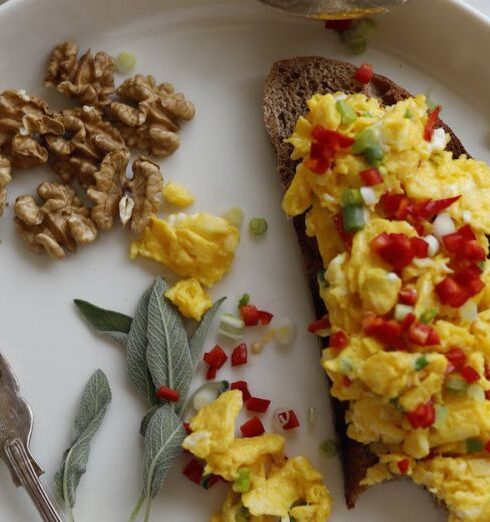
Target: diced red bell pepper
(423, 335)
(469, 374)
(320, 324)
(346, 237)
(288, 420)
(395, 249)
(451, 293)
(466, 232)
(487, 395)
(472, 251)
(467, 274)
(216, 357)
(456, 357)
(331, 138)
(194, 471)
(345, 381)
(320, 151)
(474, 287)
(252, 428)
(431, 123)
(407, 296)
(339, 340)
(487, 447)
(250, 315)
(386, 331)
(339, 25)
(257, 405)
(394, 205)
(243, 387)
(265, 317)
(423, 416)
(453, 242)
(187, 428)
(429, 208)
(211, 373)
(208, 481)
(403, 465)
(371, 177)
(318, 166)
(164, 393)
(365, 73)
(239, 355)
(420, 247)
(408, 320)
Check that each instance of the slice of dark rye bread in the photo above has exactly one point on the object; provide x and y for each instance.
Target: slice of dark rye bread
(287, 88)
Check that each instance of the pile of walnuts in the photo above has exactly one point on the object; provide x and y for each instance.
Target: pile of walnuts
(88, 147)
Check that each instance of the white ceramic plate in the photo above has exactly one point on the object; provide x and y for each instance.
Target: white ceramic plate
(218, 53)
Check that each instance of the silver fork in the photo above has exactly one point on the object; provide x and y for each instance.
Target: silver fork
(15, 433)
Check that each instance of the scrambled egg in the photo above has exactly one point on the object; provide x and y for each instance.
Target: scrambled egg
(190, 298)
(424, 414)
(178, 195)
(278, 487)
(200, 246)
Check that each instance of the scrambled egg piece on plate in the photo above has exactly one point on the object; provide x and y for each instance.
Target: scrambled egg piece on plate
(200, 246)
(178, 195)
(190, 298)
(401, 227)
(274, 486)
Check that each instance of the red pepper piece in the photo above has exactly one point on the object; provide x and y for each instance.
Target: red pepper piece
(164, 393)
(292, 422)
(345, 381)
(469, 374)
(243, 387)
(451, 293)
(250, 315)
(365, 73)
(339, 340)
(423, 335)
(320, 151)
(408, 296)
(466, 232)
(339, 25)
(431, 123)
(395, 206)
(468, 274)
(239, 355)
(408, 320)
(429, 208)
(194, 471)
(216, 357)
(187, 428)
(257, 405)
(487, 447)
(395, 249)
(265, 317)
(208, 481)
(211, 373)
(252, 428)
(320, 324)
(472, 251)
(420, 247)
(331, 138)
(403, 466)
(371, 177)
(346, 237)
(318, 166)
(456, 357)
(474, 287)
(453, 242)
(423, 416)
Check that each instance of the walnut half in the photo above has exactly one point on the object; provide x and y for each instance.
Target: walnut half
(5, 178)
(60, 223)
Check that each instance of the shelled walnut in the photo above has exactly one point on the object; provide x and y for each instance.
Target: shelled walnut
(148, 115)
(5, 178)
(90, 79)
(24, 121)
(135, 199)
(87, 140)
(61, 222)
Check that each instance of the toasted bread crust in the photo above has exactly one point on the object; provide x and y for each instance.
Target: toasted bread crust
(287, 88)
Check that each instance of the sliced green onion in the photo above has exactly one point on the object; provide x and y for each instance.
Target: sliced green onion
(456, 384)
(347, 113)
(205, 394)
(353, 218)
(244, 300)
(401, 311)
(428, 316)
(474, 445)
(420, 363)
(125, 62)
(441, 416)
(258, 226)
(481, 266)
(395, 402)
(408, 114)
(234, 216)
(345, 365)
(365, 27)
(242, 482)
(373, 154)
(356, 43)
(366, 138)
(329, 447)
(351, 197)
(231, 326)
(311, 415)
(475, 392)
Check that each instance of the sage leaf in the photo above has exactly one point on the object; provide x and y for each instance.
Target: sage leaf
(136, 352)
(147, 418)
(95, 399)
(168, 355)
(163, 444)
(107, 322)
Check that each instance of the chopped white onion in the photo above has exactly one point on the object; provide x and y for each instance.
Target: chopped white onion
(433, 245)
(203, 398)
(401, 311)
(311, 415)
(475, 392)
(285, 332)
(469, 311)
(466, 215)
(443, 225)
(340, 96)
(369, 196)
(391, 276)
(438, 141)
(423, 263)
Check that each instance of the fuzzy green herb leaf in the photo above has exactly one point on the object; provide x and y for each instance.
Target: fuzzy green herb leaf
(137, 346)
(107, 322)
(168, 354)
(95, 399)
(147, 418)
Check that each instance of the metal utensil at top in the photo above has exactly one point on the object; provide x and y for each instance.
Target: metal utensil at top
(15, 432)
(334, 9)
